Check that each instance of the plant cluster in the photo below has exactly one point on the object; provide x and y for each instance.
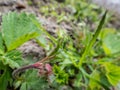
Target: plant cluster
(90, 61)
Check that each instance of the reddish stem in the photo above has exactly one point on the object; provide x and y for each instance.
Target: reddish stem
(35, 65)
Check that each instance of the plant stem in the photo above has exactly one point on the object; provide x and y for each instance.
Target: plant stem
(93, 40)
(19, 70)
(42, 29)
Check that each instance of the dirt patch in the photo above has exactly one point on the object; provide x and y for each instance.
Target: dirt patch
(31, 48)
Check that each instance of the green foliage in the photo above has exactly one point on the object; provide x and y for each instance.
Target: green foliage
(21, 27)
(111, 44)
(5, 77)
(16, 30)
(84, 10)
(30, 80)
(12, 58)
(61, 75)
(112, 73)
(84, 61)
(68, 56)
(105, 32)
(93, 39)
(94, 85)
(1, 45)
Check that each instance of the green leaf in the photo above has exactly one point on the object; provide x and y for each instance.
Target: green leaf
(12, 58)
(23, 86)
(61, 75)
(5, 77)
(112, 73)
(111, 44)
(1, 44)
(17, 29)
(42, 41)
(31, 81)
(17, 84)
(93, 40)
(106, 31)
(93, 84)
(104, 85)
(78, 80)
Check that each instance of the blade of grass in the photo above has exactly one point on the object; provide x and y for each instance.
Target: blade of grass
(100, 83)
(93, 40)
(42, 29)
